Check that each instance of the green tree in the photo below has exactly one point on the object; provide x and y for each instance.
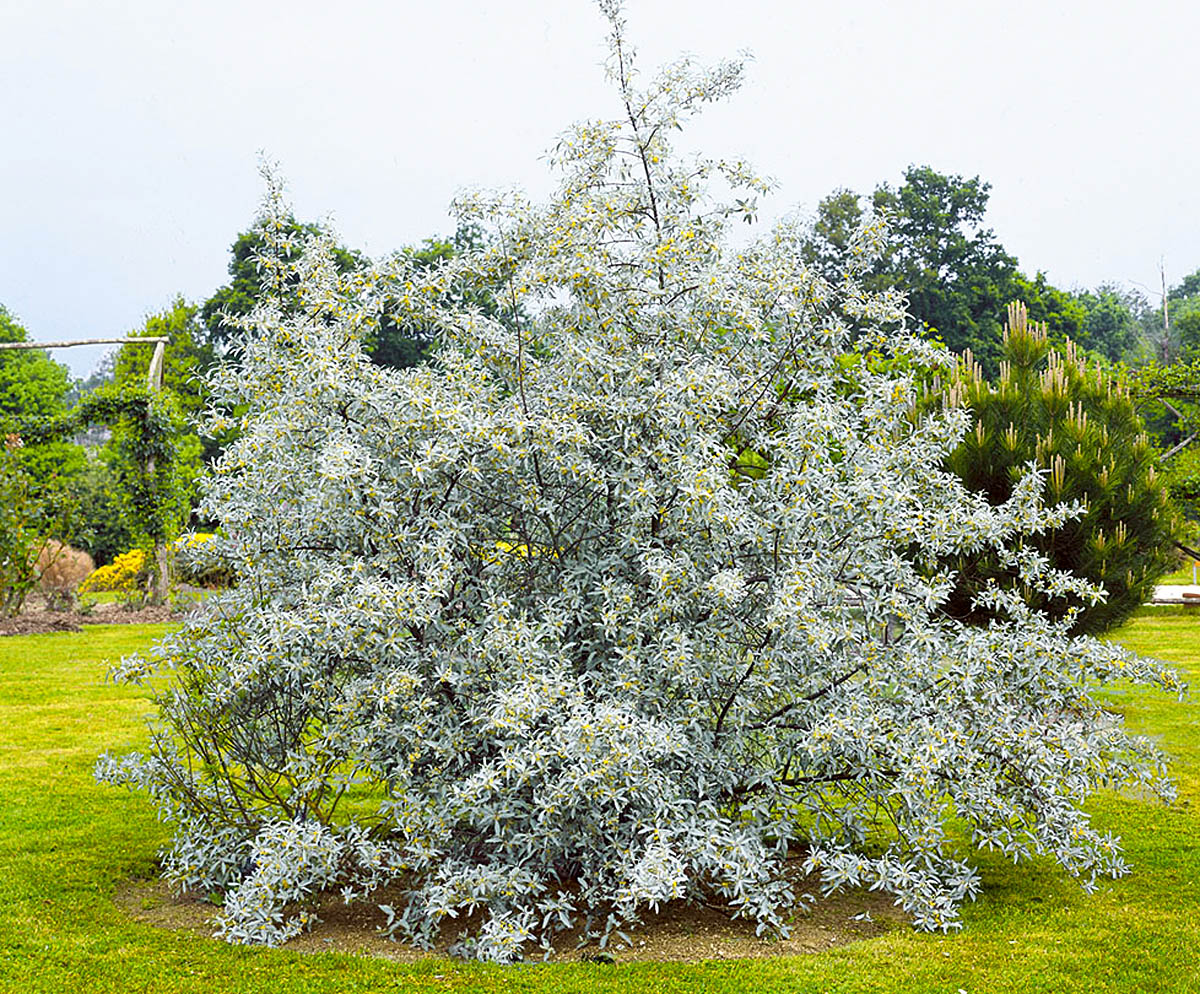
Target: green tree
(187, 357)
(1163, 337)
(1186, 288)
(1061, 311)
(1168, 385)
(32, 513)
(400, 341)
(1187, 327)
(827, 247)
(247, 280)
(34, 388)
(958, 278)
(955, 273)
(144, 464)
(393, 344)
(186, 360)
(183, 397)
(31, 385)
(129, 495)
(397, 342)
(1184, 313)
(37, 500)
(101, 525)
(1110, 325)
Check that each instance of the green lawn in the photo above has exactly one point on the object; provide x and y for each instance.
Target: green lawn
(66, 842)
(1181, 575)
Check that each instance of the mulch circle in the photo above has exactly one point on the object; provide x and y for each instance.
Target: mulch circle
(679, 932)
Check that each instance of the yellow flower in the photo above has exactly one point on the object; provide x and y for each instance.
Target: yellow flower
(122, 574)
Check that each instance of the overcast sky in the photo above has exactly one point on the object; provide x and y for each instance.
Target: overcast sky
(130, 130)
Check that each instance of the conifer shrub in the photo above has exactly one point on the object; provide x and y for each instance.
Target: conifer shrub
(514, 633)
(1075, 421)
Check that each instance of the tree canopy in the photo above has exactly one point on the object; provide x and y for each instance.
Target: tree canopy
(955, 272)
(248, 281)
(187, 357)
(396, 341)
(957, 276)
(35, 388)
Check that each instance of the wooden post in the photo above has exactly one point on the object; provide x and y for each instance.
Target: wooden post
(160, 583)
(154, 374)
(83, 341)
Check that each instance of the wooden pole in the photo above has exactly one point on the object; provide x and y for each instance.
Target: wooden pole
(155, 373)
(84, 341)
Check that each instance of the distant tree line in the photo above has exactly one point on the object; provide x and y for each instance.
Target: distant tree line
(959, 279)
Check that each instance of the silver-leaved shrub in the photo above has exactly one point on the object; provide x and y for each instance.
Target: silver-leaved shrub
(619, 601)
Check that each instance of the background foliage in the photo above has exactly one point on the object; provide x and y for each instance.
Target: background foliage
(957, 276)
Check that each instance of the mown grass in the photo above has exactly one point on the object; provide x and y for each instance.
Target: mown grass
(98, 597)
(182, 598)
(1182, 575)
(66, 843)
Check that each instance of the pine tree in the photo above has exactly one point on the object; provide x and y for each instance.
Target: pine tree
(1076, 422)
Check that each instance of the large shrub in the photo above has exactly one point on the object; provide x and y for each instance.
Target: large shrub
(1077, 423)
(618, 605)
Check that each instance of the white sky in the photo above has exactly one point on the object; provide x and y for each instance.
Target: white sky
(129, 131)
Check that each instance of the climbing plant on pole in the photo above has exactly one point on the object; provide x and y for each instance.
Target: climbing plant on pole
(144, 430)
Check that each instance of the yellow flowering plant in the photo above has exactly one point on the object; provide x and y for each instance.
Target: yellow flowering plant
(126, 575)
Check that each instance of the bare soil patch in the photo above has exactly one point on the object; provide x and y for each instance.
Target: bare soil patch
(37, 619)
(679, 932)
(41, 621)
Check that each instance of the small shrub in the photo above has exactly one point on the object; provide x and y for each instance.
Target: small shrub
(126, 575)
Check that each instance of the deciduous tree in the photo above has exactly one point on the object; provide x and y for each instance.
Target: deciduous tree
(34, 388)
(512, 630)
(958, 278)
